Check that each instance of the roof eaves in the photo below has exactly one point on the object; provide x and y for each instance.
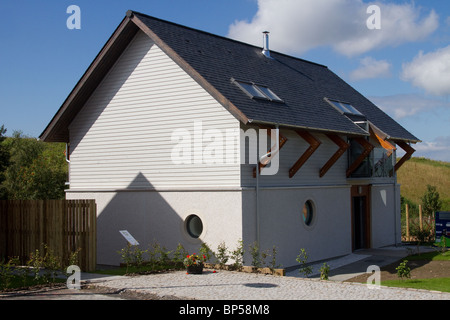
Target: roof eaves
(358, 131)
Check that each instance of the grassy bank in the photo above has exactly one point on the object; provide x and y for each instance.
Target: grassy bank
(416, 173)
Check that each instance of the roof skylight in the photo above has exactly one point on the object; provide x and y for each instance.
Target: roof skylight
(344, 108)
(269, 93)
(256, 91)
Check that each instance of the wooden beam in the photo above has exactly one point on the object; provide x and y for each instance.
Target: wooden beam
(314, 143)
(368, 147)
(281, 141)
(409, 151)
(343, 146)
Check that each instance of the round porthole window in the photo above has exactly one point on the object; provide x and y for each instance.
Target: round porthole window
(308, 212)
(194, 226)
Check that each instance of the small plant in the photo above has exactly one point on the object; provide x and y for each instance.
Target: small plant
(273, 265)
(206, 250)
(302, 258)
(152, 260)
(194, 259)
(163, 257)
(51, 264)
(132, 255)
(256, 256)
(36, 262)
(73, 258)
(403, 271)
(324, 270)
(6, 273)
(125, 254)
(443, 244)
(238, 256)
(20, 271)
(222, 254)
(178, 255)
(264, 255)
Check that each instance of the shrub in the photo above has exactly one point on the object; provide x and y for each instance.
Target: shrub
(430, 201)
(273, 261)
(6, 273)
(36, 262)
(179, 254)
(256, 259)
(324, 270)
(222, 254)
(403, 271)
(206, 250)
(238, 256)
(302, 258)
(162, 253)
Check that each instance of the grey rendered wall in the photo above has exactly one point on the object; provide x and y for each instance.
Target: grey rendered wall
(385, 222)
(160, 216)
(281, 223)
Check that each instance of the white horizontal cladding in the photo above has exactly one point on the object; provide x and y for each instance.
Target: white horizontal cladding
(145, 111)
(308, 175)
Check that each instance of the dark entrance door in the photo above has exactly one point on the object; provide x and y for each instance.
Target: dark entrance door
(359, 222)
(360, 217)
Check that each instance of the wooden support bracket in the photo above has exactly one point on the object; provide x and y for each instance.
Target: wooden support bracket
(343, 146)
(314, 143)
(368, 147)
(409, 151)
(282, 140)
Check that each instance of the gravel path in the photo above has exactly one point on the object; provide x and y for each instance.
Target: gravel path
(229, 285)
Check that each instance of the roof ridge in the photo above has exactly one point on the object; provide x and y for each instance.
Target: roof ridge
(131, 12)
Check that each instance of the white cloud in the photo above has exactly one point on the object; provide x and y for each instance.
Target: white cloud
(438, 149)
(297, 26)
(371, 68)
(430, 71)
(406, 105)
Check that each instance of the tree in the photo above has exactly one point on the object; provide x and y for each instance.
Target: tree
(37, 170)
(430, 201)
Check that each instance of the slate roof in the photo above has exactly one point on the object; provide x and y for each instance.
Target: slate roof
(214, 61)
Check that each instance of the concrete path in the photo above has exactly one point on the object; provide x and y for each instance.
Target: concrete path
(354, 264)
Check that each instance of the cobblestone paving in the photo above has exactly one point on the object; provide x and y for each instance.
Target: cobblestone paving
(229, 285)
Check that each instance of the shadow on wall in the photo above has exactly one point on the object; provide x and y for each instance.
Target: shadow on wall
(142, 212)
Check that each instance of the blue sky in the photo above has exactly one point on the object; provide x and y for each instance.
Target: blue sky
(404, 67)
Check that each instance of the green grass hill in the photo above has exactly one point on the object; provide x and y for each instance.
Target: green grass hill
(416, 173)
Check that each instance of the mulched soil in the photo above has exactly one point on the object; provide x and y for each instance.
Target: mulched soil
(419, 270)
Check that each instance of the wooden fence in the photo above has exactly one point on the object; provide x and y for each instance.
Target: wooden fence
(420, 222)
(64, 226)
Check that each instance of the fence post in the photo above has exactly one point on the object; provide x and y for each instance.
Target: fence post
(407, 222)
(420, 217)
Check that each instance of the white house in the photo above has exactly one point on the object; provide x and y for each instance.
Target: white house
(163, 131)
